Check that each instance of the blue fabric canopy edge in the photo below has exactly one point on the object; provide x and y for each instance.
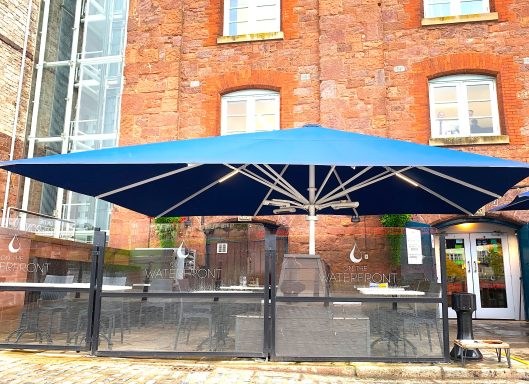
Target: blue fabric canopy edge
(311, 145)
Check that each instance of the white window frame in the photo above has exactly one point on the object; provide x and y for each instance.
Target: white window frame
(455, 7)
(252, 17)
(250, 96)
(222, 247)
(461, 82)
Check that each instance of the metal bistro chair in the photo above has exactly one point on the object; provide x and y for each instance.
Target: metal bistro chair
(157, 303)
(190, 314)
(114, 307)
(54, 303)
(111, 309)
(36, 305)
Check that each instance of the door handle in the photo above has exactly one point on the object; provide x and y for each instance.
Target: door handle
(475, 266)
(469, 268)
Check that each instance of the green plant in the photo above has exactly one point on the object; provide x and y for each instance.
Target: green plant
(395, 221)
(166, 228)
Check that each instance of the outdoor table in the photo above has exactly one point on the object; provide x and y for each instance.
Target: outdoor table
(394, 292)
(106, 288)
(242, 288)
(498, 345)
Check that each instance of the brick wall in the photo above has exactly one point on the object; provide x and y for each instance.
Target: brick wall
(176, 73)
(13, 17)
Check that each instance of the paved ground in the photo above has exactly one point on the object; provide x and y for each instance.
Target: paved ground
(18, 367)
(25, 367)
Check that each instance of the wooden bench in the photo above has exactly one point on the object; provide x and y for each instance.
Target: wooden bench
(498, 345)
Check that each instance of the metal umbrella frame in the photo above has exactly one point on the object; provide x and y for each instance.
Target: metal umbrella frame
(313, 170)
(520, 202)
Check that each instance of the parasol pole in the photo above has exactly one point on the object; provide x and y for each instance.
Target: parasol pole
(312, 218)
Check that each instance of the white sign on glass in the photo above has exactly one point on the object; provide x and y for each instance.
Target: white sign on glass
(414, 245)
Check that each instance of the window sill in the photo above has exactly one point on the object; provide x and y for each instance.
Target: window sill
(250, 37)
(472, 140)
(459, 19)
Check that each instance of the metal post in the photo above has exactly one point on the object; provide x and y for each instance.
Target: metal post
(96, 287)
(312, 218)
(269, 293)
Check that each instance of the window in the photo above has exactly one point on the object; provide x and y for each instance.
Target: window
(222, 247)
(440, 8)
(464, 105)
(252, 110)
(76, 99)
(242, 17)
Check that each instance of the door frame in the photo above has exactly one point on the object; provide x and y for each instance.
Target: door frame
(484, 313)
(509, 313)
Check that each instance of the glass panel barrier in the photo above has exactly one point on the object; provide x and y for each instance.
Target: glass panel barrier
(358, 329)
(401, 259)
(44, 289)
(182, 324)
(43, 317)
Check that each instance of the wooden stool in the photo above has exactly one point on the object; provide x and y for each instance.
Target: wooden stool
(498, 345)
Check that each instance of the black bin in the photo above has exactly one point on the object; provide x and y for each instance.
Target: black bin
(464, 304)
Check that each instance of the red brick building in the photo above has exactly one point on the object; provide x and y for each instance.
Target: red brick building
(451, 73)
(376, 67)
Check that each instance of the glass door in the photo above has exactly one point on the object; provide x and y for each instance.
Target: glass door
(458, 267)
(491, 276)
(479, 263)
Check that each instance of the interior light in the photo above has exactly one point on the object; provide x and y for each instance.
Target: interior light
(231, 174)
(277, 203)
(345, 205)
(466, 226)
(283, 210)
(407, 179)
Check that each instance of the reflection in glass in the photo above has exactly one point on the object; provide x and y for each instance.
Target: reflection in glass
(456, 267)
(445, 94)
(190, 324)
(491, 273)
(471, 6)
(439, 8)
(52, 107)
(349, 329)
(60, 31)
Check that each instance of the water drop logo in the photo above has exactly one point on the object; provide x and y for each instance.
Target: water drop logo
(353, 257)
(14, 245)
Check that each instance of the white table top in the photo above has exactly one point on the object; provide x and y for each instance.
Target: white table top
(241, 288)
(58, 285)
(213, 291)
(390, 292)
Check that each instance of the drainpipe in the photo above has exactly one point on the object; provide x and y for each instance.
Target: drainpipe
(17, 111)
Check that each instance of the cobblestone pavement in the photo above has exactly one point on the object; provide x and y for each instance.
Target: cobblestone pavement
(67, 368)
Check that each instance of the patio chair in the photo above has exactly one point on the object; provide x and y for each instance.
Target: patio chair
(115, 307)
(112, 308)
(154, 304)
(190, 314)
(53, 303)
